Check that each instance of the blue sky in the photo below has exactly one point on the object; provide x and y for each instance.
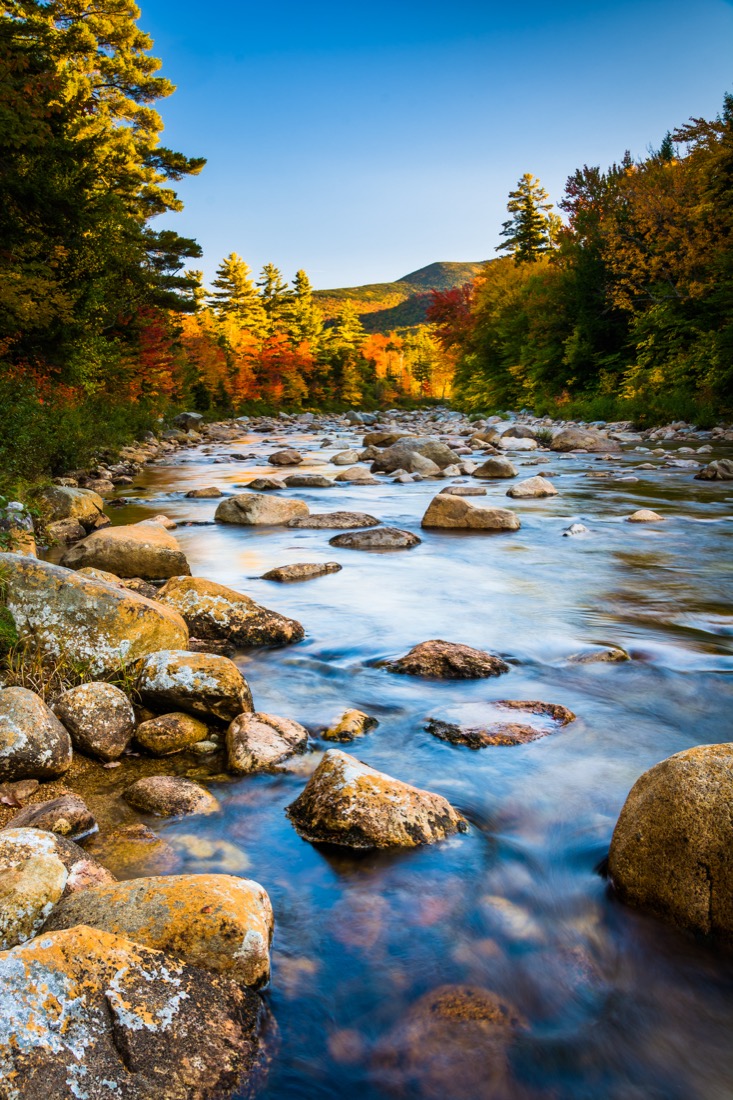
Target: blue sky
(362, 141)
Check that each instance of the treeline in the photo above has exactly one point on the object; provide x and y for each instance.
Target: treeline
(624, 308)
(103, 323)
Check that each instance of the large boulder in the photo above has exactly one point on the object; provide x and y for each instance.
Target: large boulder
(99, 717)
(671, 852)
(219, 922)
(259, 741)
(186, 420)
(144, 550)
(29, 889)
(33, 743)
(252, 509)
(213, 612)
(495, 468)
(719, 470)
(439, 660)
(92, 623)
(93, 1015)
(61, 502)
(340, 521)
(399, 455)
(24, 842)
(574, 438)
(348, 803)
(462, 514)
(287, 457)
(532, 488)
(202, 684)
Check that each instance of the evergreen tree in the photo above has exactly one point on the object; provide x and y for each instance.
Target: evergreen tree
(532, 230)
(304, 319)
(275, 296)
(234, 295)
(347, 333)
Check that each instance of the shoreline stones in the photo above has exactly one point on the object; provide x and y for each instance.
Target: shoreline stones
(33, 743)
(449, 511)
(143, 550)
(383, 538)
(202, 684)
(439, 660)
(213, 612)
(348, 803)
(99, 717)
(256, 742)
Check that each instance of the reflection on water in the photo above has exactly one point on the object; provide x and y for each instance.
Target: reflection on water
(616, 1005)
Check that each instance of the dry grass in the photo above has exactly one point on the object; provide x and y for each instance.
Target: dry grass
(26, 664)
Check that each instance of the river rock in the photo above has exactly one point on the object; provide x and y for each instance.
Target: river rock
(512, 443)
(27, 842)
(348, 803)
(33, 743)
(28, 892)
(265, 484)
(209, 493)
(93, 1015)
(65, 532)
(144, 550)
(383, 538)
(259, 741)
(61, 503)
(384, 438)
(345, 458)
(575, 529)
(575, 438)
(335, 520)
(453, 1042)
(400, 455)
(212, 611)
(671, 848)
(170, 796)
(202, 684)
(503, 733)
(253, 509)
(301, 571)
(356, 475)
(286, 457)
(599, 655)
(532, 488)
(461, 514)
(439, 660)
(308, 481)
(496, 468)
(68, 816)
(519, 431)
(218, 922)
(99, 718)
(463, 491)
(645, 515)
(720, 470)
(351, 724)
(170, 733)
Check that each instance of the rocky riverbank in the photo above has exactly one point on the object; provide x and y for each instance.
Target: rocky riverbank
(126, 698)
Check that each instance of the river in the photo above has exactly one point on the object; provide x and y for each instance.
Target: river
(616, 1005)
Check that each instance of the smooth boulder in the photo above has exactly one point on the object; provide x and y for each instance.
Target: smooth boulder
(439, 660)
(462, 514)
(348, 803)
(144, 550)
(382, 538)
(202, 684)
(254, 509)
(170, 733)
(340, 521)
(301, 571)
(259, 741)
(532, 488)
(33, 743)
(496, 468)
(99, 717)
(213, 612)
(575, 438)
(170, 796)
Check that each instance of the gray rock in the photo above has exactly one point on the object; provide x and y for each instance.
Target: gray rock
(335, 520)
(33, 743)
(301, 571)
(99, 718)
(170, 796)
(496, 468)
(259, 741)
(248, 509)
(383, 538)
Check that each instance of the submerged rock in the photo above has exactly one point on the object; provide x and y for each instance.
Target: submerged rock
(68, 816)
(259, 741)
(384, 538)
(503, 733)
(441, 660)
(89, 1014)
(218, 922)
(335, 520)
(671, 848)
(610, 654)
(88, 621)
(348, 803)
(170, 796)
(202, 684)
(253, 509)
(301, 571)
(33, 743)
(144, 550)
(99, 718)
(351, 724)
(645, 515)
(456, 512)
(212, 611)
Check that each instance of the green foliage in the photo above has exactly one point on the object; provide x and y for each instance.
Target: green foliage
(532, 230)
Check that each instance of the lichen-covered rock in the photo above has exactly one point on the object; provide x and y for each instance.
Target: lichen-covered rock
(99, 717)
(33, 743)
(495, 468)
(533, 487)
(29, 889)
(301, 571)
(248, 509)
(91, 622)
(90, 1015)
(170, 796)
(382, 538)
(459, 513)
(671, 848)
(441, 660)
(170, 733)
(453, 1042)
(212, 611)
(19, 844)
(218, 922)
(348, 803)
(339, 520)
(16, 528)
(68, 815)
(259, 741)
(351, 724)
(144, 550)
(202, 684)
(65, 503)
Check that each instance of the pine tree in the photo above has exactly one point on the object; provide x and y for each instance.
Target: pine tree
(275, 296)
(304, 319)
(347, 333)
(532, 230)
(234, 295)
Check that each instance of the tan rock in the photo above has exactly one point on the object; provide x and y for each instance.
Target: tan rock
(99, 717)
(574, 438)
(348, 803)
(170, 733)
(202, 684)
(496, 468)
(28, 892)
(531, 488)
(27, 842)
(212, 611)
(33, 743)
(210, 493)
(259, 741)
(351, 724)
(301, 571)
(645, 515)
(460, 513)
(248, 509)
(68, 815)
(170, 796)
(144, 550)
(382, 538)
(218, 922)
(64, 503)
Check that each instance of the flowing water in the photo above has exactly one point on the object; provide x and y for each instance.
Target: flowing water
(616, 1005)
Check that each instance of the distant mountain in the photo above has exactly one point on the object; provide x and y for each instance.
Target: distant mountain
(386, 306)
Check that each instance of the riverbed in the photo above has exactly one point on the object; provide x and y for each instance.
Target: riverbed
(614, 1004)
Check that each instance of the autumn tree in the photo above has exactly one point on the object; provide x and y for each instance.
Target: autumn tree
(532, 229)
